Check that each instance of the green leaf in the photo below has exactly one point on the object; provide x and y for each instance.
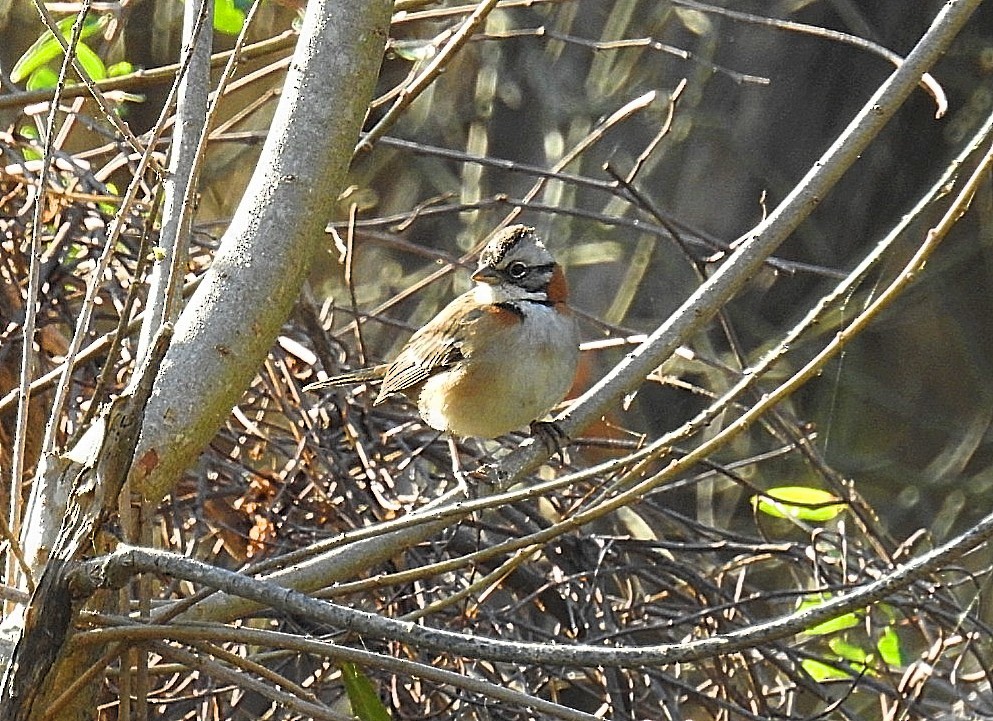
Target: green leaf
(833, 625)
(888, 646)
(30, 152)
(91, 62)
(228, 18)
(821, 672)
(850, 652)
(800, 503)
(109, 208)
(118, 69)
(42, 79)
(366, 705)
(76, 251)
(46, 48)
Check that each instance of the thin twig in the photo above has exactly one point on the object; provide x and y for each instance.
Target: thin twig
(217, 670)
(31, 307)
(188, 130)
(647, 43)
(182, 633)
(928, 82)
(350, 279)
(434, 68)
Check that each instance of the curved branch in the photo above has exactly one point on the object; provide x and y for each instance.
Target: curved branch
(115, 569)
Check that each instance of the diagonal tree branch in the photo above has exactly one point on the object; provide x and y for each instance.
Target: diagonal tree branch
(755, 247)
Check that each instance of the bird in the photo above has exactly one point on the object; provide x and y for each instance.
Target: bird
(498, 357)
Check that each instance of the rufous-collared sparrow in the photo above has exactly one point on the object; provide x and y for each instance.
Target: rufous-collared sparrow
(498, 357)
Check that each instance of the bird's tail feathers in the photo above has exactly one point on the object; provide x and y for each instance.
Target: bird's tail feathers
(362, 375)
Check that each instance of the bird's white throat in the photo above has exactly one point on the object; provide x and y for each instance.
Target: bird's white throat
(486, 293)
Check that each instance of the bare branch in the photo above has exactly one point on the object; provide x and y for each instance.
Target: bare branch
(118, 567)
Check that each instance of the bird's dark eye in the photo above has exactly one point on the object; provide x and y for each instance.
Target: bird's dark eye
(517, 270)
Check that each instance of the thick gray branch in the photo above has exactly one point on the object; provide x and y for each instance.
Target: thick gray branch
(224, 333)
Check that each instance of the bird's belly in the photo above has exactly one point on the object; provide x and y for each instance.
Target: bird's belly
(506, 385)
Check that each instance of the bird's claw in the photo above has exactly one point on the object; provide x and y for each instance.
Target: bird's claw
(552, 437)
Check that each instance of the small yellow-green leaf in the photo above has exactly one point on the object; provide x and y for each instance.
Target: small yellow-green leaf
(47, 48)
(228, 18)
(76, 252)
(832, 625)
(888, 646)
(109, 208)
(800, 503)
(849, 651)
(30, 152)
(118, 69)
(365, 702)
(45, 77)
(821, 672)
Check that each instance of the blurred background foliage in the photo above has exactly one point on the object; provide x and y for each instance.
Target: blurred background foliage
(904, 413)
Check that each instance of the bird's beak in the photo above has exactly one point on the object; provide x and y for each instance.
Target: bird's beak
(487, 275)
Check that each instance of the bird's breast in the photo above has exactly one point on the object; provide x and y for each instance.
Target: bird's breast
(512, 374)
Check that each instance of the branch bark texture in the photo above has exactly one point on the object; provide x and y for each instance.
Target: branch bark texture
(224, 333)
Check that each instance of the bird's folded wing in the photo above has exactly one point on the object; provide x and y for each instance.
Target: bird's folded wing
(435, 347)
(416, 364)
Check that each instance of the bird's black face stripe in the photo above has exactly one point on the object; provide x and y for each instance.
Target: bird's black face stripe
(532, 271)
(544, 266)
(512, 307)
